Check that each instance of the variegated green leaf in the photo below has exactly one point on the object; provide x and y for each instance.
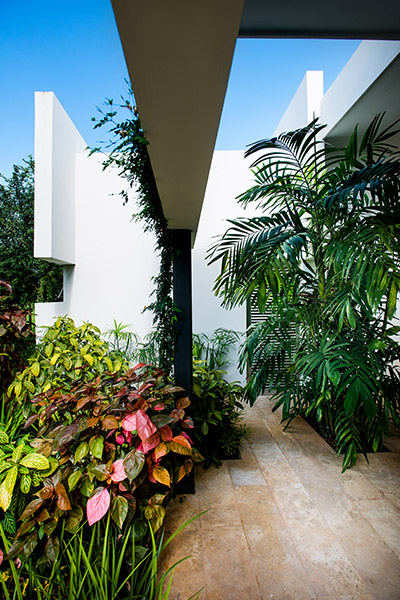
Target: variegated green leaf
(10, 479)
(17, 452)
(5, 497)
(25, 484)
(35, 461)
(3, 437)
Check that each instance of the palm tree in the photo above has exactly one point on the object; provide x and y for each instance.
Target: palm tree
(325, 254)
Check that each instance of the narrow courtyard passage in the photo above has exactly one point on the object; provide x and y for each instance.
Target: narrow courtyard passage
(283, 523)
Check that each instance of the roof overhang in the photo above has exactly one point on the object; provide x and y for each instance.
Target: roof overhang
(179, 55)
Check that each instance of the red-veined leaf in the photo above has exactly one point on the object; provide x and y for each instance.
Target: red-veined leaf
(144, 425)
(151, 442)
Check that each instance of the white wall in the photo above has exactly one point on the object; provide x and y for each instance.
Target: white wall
(305, 104)
(114, 259)
(362, 71)
(56, 143)
(229, 176)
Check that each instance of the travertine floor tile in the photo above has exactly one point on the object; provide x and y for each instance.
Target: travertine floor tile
(285, 524)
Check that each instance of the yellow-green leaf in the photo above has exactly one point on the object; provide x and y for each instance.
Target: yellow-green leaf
(35, 461)
(54, 359)
(35, 368)
(4, 439)
(81, 451)
(49, 349)
(17, 389)
(46, 387)
(29, 386)
(5, 497)
(73, 479)
(96, 445)
(108, 362)
(25, 484)
(17, 452)
(89, 359)
(67, 363)
(10, 479)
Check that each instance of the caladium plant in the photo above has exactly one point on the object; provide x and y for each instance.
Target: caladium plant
(121, 443)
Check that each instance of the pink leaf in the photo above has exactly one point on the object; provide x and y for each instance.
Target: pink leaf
(144, 426)
(129, 422)
(128, 437)
(159, 406)
(97, 505)
(120, 439)
(118, 472)
(139, 366)
(1, 556)
(187, 437)
(151, 442)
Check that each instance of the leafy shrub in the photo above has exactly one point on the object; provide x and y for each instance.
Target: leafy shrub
(217, 414)
(64, 354)
(119, 446)
(16, 336)
(214, 348)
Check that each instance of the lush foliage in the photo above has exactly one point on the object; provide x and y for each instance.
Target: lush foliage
(214, 348)
(129, 154)
(87, 443)
(217, 409)
(103, 564)
(16, 338)
(64, 354)
(32, 280)
(326, 256)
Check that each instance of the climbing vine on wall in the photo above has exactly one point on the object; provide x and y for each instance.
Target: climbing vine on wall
(127, 150)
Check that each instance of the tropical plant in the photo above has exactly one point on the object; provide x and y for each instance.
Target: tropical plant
(65, 353)
(217, 414)
(32, 279)
(214, 348)
(326, 255)
(123, 342)
(119, 445)
(104, 564)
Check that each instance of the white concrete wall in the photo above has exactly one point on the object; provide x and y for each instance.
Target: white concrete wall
(56, 143)
(114, 259)
(305, 104)
(229, 176)
(365, 66)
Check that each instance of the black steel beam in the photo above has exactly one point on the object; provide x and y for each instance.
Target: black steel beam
(182, 291)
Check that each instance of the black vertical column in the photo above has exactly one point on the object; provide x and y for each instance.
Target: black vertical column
(182, 275)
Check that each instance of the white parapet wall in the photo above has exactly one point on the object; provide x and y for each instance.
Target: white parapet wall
(57, 142)
(81, 222)
(367, 85)
(305, 104)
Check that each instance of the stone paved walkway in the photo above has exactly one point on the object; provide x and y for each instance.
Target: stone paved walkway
(284, 523)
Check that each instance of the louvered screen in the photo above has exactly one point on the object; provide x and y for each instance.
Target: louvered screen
(254, 316)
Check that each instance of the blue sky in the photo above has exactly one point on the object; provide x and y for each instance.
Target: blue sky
(72, 48)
